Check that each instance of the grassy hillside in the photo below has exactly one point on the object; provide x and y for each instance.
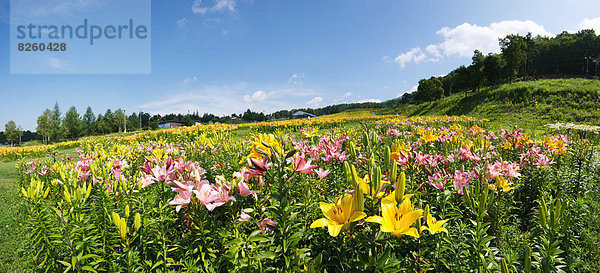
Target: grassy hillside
(531, 103)
(351, 113)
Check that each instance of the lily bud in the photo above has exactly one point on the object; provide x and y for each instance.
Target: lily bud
(527, 262)
(373, 137)
(400, 187)
(365, 140)
(394, 174)
(376, 180)
(388, 157)
(123, 228)
(67, 195)
(348, 174)
(127, 211)
(352, 149)
(88, 192)
(359, 199)
(354, 175)
(116, 219)
(137, 221)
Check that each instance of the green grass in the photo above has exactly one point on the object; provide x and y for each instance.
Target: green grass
(13, 256)
(529, 104)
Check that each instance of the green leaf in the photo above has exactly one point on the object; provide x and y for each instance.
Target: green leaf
(266, 255)
(88, 268)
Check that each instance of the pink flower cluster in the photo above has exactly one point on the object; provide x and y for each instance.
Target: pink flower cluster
(328, 149)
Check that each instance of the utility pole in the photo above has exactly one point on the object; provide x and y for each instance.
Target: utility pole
(140, 118)
(594, 60)
(587, 66)
(125, 114)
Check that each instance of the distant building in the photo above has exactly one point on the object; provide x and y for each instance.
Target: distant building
(302, 114)
(170, 124)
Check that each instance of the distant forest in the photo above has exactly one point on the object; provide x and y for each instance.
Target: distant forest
(522, 58)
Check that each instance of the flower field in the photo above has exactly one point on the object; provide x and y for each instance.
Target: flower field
(443, 194)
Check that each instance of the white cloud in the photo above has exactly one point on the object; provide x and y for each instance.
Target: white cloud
(182, 22)
(593, 23)
(57, 63)
(314, 102)
(297, 78)
(369, 100)
(412, 89)
(227, 99)
(219, 5)
(25, 10)
(463, 39)
(343, 99)
(259, 96)
(187, 81)
(414, 55)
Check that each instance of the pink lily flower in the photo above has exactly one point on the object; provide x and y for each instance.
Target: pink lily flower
(322, 173)
(303, 166)
(461, 180)
(245, 189)
(265, 223)
(146, 168)
(146, 180)
(181, 199)
(243, 216)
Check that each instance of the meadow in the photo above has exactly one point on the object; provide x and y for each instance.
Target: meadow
(362, 193)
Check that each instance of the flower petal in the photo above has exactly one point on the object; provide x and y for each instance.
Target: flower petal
(409, 218)
(326, 209)
(412, 232)
(357, 215)
(374, 219)
(334, 230)
(320, 223)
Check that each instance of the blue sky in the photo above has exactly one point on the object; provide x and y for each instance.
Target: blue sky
(225, 56)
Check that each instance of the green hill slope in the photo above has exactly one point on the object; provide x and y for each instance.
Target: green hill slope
(530, 103)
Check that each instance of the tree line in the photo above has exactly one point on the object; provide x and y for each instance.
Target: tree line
(53, 126)
(521, 57)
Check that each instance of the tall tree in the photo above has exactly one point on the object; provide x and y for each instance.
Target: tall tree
(514, 52)
(430, 89)
(55, 123)
(19, 133)
(10, 132)
(108, 120)
(492, 69)
(72, 123)
(89, 121)
(133, 122)
(476, 70)
(119, 120)
(44, 125)
(102, 125)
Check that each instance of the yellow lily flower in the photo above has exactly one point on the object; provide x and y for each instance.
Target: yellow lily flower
(429, 136)
(365, 186)
(501, 183)
(397, 220)
(434, 226)
(399, 149)
(339, 215)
